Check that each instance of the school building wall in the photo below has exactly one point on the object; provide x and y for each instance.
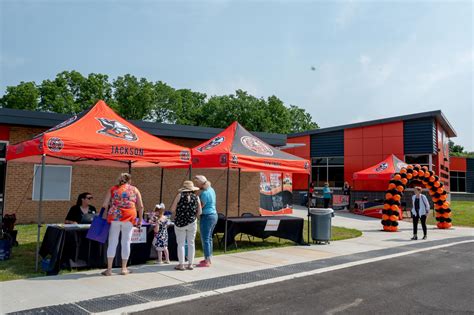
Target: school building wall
(97, 180)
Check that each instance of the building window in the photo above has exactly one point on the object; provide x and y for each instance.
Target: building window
(330, 170)
(457, 181)
(57, 182)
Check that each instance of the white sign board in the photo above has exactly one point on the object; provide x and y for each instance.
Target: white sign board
(272, 225)
(139, 235)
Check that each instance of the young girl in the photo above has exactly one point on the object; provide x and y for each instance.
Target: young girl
(160, 242)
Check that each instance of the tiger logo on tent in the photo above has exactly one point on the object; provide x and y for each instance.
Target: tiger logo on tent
(113, 128)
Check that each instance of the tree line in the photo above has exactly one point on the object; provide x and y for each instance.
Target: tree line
(70, 92)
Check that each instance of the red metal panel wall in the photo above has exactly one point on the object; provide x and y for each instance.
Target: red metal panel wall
(4, 133)
(457, 164)
(300, 181)
(367, 146)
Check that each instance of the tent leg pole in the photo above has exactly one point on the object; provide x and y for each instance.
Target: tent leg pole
(238, 198)
(129, 167)
(190, 172)
(40, 208)
(226, 210)
(161, 184)
(309, 205)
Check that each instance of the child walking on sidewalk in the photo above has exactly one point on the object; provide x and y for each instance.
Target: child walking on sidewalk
(160, 241)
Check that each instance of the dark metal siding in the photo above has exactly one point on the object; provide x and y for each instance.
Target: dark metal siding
(470, 175)
(419, 136)
(327, 144)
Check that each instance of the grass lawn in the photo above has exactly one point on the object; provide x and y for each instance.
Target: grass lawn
(22, 262)
(462, 214)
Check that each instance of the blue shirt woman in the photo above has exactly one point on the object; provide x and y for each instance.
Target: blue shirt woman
(208, 217)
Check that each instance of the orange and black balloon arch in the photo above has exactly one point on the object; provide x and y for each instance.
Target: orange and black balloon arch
(392, 205)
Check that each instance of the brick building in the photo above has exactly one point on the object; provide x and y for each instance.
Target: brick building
(19, 189)
(337, 152)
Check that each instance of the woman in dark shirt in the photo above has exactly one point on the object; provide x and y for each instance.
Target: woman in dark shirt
(187, 207)
(82, 211)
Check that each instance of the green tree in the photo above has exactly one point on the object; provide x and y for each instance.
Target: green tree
(300, 120)
(23, 96)
(133, 98)
(71, 92)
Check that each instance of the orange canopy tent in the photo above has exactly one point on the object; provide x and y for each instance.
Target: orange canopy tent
(100, 136)
(97, 136)
(381, 171)
(237, 148)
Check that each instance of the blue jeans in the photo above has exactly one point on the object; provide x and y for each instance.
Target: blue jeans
(207, 224)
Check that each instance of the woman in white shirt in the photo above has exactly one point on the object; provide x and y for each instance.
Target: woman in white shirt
(419, 212)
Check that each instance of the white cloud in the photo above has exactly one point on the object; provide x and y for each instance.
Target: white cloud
(230, 86)
(364, 60)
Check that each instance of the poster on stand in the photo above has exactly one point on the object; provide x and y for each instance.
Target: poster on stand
(276, 193)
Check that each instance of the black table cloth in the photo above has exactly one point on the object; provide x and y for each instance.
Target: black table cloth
(68, 247)
(290, 228)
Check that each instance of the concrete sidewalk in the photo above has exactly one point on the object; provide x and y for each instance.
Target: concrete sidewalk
(34, 293)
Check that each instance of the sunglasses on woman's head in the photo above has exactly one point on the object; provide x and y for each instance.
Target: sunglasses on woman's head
(89, 198)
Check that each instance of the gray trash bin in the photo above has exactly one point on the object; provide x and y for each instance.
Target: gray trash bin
(321, 224)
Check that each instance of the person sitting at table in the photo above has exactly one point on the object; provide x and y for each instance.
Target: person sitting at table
(326, 195)
(187, 207)
(124, 200)
(82, 211)
(208, 217)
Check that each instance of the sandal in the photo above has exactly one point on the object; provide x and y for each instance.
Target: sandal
(167, 262)
(126, 272)
(190, 267)
(179, 267)
(106, 273)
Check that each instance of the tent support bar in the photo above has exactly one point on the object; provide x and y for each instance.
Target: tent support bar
(238, 197)
(309, 205)
(190, 172)
(129, 167)
(161, 184)
(40, 208)
(226, 209)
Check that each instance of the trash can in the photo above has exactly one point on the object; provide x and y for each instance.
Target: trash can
(321, 224)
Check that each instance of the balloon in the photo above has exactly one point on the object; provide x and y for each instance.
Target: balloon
(445, 205)
(397, 177)
(421, 173)
(400, 188)
(388, 196)
(417, 166)
(425, 168)
(440, 190)
(393, 218)
(403, 171)
(394, 208)
(386, 206)
(437, 184)
(385, 217)
(415, 173)
(397, 197)
(404, 181)
(391, 186)
(410, 167)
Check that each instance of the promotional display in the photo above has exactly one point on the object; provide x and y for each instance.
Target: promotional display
(381, 171)
(275, 193)
(392, 204)
(97, 136)
(236, 148)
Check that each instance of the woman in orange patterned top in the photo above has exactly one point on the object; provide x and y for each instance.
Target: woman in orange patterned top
(123, 200)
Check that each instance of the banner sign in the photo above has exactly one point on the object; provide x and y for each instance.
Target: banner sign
(139, 235)
(340, 201)
(276, 193)
(272, 225)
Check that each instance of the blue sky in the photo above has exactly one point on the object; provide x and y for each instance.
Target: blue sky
(373, 59)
